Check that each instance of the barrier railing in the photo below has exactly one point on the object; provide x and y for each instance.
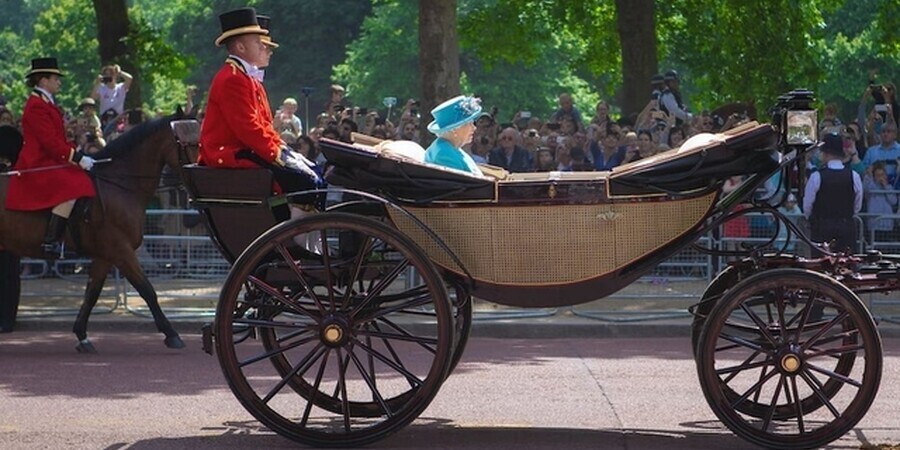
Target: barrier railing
(187, 271)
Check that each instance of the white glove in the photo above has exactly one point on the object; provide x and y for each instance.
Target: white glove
(299, 163)
(86, 162)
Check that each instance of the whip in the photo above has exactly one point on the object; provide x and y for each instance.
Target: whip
(41, 169)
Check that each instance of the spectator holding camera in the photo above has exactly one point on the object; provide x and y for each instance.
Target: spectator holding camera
(335, 104)
(881, 199)
(567, 108)
(509, 154)
(887, 152)
(109, 91)
(601, 114)
(606, 153)
(286, 118)
(670, 100)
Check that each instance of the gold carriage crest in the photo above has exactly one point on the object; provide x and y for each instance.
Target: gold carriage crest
(608, 216)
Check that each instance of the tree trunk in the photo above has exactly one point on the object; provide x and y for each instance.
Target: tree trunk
(112, 32)
(637, 34)
(438, 53)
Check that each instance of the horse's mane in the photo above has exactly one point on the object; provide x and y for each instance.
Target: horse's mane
(121, 145)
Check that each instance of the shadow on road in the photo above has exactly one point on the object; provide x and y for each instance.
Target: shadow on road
(435, 434)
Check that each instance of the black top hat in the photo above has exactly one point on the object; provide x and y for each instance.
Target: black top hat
(656, 79)
(44, 65)
(671, 75)
(264, 23)
(237, 22)
(833, 144)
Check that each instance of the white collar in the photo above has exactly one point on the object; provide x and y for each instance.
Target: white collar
(49, 95)
(248, 68)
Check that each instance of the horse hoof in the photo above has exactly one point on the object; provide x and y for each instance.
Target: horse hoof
(85, 346)
(174, 342)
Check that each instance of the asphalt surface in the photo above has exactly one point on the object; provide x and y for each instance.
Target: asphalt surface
(511, 393)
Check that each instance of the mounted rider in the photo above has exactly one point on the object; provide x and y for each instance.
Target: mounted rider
(51, 171)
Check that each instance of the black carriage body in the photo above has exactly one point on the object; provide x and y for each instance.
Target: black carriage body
(557, 238)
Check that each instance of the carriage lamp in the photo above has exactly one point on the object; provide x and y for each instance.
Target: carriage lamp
(797, 117)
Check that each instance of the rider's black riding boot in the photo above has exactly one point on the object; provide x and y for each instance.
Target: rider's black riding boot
(52, 246)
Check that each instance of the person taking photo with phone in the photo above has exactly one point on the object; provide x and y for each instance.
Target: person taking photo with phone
(109, 91)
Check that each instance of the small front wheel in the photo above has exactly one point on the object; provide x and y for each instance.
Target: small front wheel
(789, 358)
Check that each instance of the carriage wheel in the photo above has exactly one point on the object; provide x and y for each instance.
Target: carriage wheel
(721, 283)
(462, 313)
(462, 302)
(773, 359)
(337, 325)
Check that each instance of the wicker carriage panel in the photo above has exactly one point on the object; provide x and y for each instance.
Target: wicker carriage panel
(539, 245)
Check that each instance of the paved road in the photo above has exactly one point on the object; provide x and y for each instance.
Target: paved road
(634, 393)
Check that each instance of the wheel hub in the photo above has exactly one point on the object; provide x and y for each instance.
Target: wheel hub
(334, 331)
(790, 363)
(790, 359)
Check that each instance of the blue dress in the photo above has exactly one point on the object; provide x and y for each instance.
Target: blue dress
(443, 152)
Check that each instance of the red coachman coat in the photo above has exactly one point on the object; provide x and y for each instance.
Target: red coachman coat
(238, 116)
(45, 145)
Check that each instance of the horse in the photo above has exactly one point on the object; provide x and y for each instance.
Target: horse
(109, 229)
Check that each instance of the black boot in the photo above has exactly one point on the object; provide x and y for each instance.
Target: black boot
(52, 247)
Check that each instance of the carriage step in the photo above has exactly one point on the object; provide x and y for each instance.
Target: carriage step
(207, 332)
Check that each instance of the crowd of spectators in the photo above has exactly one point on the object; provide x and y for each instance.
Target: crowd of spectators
(566, 140)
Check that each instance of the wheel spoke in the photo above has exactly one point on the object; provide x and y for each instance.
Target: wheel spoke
(746, 365)
(771, 412)
(342, 383)
(779, 305)
(382, 285)
(804, 314)
(271, 324)
(357, 267)
(297, 370)
(277, 295)
(315, 388)
(797, 404)
(289, 260)
(761, 326)
(381, 312)
(816, 387)
(813, 340)
(390, 348)
(276, 351)
(326, 261)
(759, 384)
(403, 331)
(371, 383)
(401, 370)
(852, 349)
(743, 342)
(835, 376)
(401, 337)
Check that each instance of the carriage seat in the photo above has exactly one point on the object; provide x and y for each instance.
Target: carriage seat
(395, 170)
(700, 162)
(236, 204)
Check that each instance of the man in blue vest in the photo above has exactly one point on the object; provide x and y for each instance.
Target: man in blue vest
(832, 196)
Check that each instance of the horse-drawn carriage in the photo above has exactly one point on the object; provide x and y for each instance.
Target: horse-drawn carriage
(339, 328)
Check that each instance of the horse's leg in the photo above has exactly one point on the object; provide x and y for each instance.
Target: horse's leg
(97, 277)
(131, 268)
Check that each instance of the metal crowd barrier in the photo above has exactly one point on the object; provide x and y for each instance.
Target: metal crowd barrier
(187, 271)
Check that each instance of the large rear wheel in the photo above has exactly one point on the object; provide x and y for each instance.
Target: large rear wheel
(319, 335)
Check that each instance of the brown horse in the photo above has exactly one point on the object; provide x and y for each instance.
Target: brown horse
(110, 229)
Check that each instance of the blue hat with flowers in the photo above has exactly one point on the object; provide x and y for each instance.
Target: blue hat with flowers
(454, 113)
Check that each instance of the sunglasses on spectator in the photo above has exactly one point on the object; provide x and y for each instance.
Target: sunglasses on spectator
(888, 130)
(506, 138)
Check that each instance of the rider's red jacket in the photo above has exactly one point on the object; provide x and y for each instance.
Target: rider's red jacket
(45, 146)
(238, 116)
